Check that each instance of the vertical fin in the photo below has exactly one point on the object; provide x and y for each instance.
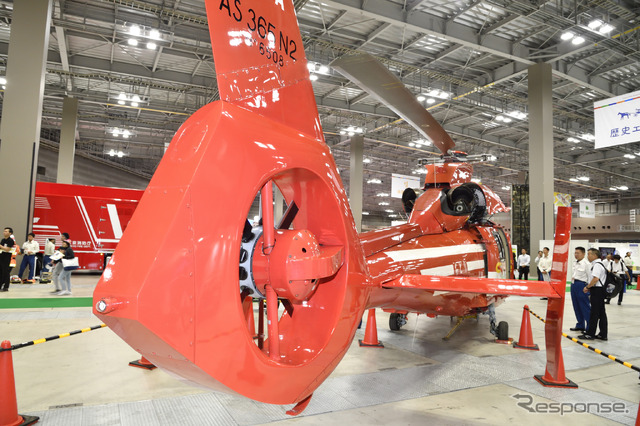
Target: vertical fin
(260, 61)
(555, 374)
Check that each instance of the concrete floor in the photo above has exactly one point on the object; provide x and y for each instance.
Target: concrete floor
(416, 379)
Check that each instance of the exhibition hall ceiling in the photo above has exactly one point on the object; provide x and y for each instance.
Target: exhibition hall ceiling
(140, 67)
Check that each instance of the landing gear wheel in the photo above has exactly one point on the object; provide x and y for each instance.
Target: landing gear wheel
(503, 331)
(396, 321)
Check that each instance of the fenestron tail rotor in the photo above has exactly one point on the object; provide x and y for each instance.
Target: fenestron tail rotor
(373, 77)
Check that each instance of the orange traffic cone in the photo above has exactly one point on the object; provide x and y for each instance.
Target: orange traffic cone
(142, 363)
(8, 403)
(526, 337)
(371, 332)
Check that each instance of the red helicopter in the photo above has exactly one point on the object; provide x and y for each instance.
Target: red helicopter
(186, 301)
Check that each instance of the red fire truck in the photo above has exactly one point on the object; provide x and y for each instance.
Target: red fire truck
(93, 216)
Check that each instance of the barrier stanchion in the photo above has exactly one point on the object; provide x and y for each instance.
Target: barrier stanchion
(591, 348)
(8, 402)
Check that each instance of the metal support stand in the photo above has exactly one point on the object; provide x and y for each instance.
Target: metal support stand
(459, 322)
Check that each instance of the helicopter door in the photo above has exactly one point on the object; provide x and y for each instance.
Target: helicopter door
(504, 252)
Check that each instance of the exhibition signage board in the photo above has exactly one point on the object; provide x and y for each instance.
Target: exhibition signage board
(561, 200)
(587, 209)
(401, 182)
(617, 120)
(632, 216)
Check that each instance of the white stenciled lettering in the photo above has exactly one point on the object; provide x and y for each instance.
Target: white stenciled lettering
(281, 3)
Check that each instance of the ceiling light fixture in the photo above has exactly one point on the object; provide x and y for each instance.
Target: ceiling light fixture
(518, 115)
(421, 98)
(629, 156)
(623, 188)
(578, 40)
(154, 34)
(151, 45)
(595, 24)
(383, 203)
(574, 180)
(606, 29)
(135, 30)
(313, 77)
(132, 42)
(376, 181)
(382, 194)
(584, 178)
(567, 35)
(431, 101)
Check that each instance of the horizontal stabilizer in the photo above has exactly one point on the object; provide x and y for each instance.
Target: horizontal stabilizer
(459, 284)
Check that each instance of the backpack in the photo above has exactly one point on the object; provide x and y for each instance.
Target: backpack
(612, 284)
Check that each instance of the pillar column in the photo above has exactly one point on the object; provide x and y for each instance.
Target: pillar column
(540, 154)
(67, 140)
(356, 179)
(22, 113)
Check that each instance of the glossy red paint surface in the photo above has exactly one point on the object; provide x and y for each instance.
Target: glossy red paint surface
(449, 173)
(554, 371)
(380, 239)
(179, 302)
(260, 61)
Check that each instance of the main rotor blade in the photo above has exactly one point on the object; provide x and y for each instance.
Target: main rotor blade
(374, 78)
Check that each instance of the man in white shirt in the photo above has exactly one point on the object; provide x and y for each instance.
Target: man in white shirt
(30, 248)
(608, 261)
(580, 300)
(537, 260)
(618, 268)
(524, 261)
(628, 262)
(544, 264)
(597, 279)
(49, 249)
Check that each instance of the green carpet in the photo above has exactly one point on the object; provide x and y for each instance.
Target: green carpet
(47, 302)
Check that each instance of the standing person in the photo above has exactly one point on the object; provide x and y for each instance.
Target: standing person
(65, 275)
(608, 261)
(524, 262)
(537, 260)
(6, 244)
(49, 249)
(580, 299)
(618, 267)
(30, 248)
(545, 264)
(629, 264)
(58, 268)
(597, 278)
